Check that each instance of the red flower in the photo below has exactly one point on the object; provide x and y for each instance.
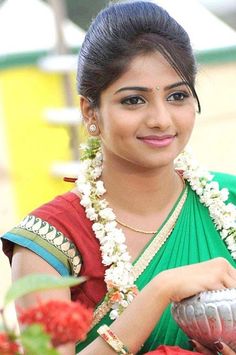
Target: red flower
(64, 321)
(7, 345)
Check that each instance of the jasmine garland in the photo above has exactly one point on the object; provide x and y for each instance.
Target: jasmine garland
(119, 277)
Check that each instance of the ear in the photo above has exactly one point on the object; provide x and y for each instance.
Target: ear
(89, 115)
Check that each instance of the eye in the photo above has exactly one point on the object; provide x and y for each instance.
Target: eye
(133, 100)
(178, 96)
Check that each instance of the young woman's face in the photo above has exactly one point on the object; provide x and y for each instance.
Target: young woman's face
(147, 115)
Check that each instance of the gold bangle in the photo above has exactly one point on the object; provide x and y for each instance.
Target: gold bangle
(111, 339)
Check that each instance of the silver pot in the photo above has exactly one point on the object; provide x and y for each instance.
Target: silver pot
(208, 317)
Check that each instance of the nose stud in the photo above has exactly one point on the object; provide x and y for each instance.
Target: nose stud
(157, 88)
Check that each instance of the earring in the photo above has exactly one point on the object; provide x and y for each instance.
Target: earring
(92, 128)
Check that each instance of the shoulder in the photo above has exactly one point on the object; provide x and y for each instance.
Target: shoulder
(65, 213)
(66, 203)
(227, 181)
(51, 231)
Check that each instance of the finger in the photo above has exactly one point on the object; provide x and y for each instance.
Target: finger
(232, 272)
(230, 280)
(202, 349)
(223, 348)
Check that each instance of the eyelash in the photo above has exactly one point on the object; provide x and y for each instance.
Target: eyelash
(127, 100)
(180, 97)
(183, 94)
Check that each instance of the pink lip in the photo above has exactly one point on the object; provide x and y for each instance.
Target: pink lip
(157, 141)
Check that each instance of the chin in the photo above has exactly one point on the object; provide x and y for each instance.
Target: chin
(162, 160)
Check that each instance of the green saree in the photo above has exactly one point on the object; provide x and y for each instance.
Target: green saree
(193, 239)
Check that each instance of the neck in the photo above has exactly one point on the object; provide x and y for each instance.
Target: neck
(142, 191)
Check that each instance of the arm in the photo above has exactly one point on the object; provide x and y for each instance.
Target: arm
(145, 311)
(171, 285)
(26, 262)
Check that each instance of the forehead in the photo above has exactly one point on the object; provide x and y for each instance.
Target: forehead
(147, 70)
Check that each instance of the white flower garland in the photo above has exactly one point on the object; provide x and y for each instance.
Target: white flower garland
(119, 277)
(222, 214)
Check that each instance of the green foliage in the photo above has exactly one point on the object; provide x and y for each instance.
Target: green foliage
(39, 282)
(36, 342)
(91, 148)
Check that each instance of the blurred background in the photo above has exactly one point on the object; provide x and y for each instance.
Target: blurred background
(40, 123)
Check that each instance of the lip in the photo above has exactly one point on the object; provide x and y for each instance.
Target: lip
(158, 141)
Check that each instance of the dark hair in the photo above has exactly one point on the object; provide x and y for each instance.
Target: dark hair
(124, 30)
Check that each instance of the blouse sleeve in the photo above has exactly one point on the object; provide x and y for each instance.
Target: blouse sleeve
(45, 240)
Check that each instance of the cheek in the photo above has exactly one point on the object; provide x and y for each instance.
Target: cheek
(188, 119)
(116, 123)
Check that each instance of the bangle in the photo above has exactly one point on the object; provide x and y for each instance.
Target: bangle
(111, 339)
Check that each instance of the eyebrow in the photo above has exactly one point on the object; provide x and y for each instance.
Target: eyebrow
(135, 88)
(175, 85)
(146, 89)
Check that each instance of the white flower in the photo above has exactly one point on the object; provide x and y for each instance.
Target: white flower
(230, 240)
(130, 297)
(107, 247)
(107, 213)
(223, 215)
(91, 214)
(103, 204)
(81, 178)
(114, 314)
(117, 235)
(110, 226)
(122, 248)
(224, 194)
(84, 166)
(84, 188)
(107, 260)
(124, 303)
(96, 172)
(125, 257)
(100, 190)
(119, 275)
(199, 190)
(97, 227)
(224, 233)
(98, 158)
(85, 201)
(100, 235)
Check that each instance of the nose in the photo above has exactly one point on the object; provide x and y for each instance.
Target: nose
(159, 116)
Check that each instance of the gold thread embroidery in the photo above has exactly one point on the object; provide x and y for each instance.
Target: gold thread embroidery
(53, 236)
(147, 255)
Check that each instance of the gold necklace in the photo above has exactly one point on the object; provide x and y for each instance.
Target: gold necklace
(140, 230)
(134, 229)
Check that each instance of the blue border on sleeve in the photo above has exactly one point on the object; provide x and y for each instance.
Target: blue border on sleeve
(43, 253)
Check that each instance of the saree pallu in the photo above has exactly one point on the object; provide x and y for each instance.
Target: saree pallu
(193, 239)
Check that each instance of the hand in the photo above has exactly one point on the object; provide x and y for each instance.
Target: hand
(219, 347)
(186, 281)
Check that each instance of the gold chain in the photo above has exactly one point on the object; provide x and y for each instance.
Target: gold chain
(134, 229)
(146, 257)
(140, 230)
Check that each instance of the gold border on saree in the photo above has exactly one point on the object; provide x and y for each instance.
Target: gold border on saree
(147, 256)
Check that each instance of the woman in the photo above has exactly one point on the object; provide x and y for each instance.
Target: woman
(136, 77)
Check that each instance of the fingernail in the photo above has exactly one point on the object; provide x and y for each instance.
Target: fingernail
(218, 345)
(192, 344)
